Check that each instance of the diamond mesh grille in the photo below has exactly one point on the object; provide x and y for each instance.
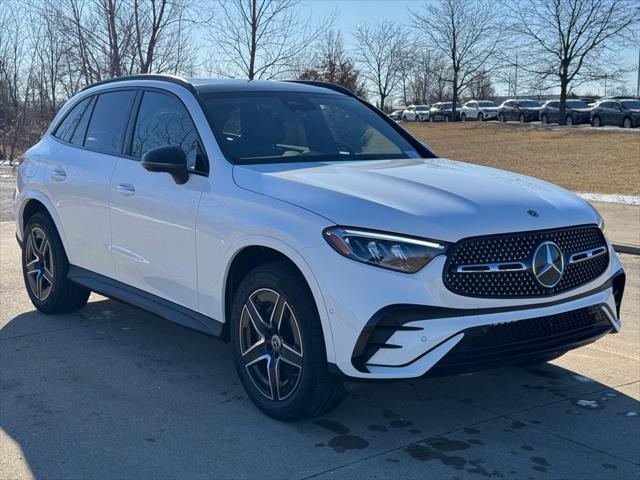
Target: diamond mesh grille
(520, 247)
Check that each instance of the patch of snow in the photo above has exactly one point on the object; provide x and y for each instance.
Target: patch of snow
(588, 403)
(611, 198)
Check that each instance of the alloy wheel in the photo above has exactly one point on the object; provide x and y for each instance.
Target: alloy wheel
(39, 263)
(271, 344)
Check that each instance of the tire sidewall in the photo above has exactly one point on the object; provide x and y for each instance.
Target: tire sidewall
(282, 279)
(59, 260)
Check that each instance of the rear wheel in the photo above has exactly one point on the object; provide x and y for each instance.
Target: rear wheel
(278, 345)
(501, 117)
(626, 123)
(404, 118)
(480, 117)
(568, 120)
(596, 122)
(544, 119)
(464, 117)
(45, 268)
(521, 118)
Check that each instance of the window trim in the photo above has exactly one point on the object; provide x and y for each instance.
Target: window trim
(133, 118)
(69, 112)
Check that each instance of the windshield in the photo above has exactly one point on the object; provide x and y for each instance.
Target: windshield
(422, 108)
(576, 104)
(487, 104)
(635, 104)
(528, 103)
(278, 127)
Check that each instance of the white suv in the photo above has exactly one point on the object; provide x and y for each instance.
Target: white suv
(311, 231)
(479, 110)
(416, 113)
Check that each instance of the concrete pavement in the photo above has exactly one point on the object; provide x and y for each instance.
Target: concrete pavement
(115, 392)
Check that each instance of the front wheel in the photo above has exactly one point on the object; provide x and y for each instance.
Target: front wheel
(544, 119)
(568, 121)
(480, 117)
(45, 268)
(596, 122)
(521, 118)
(278, 345)
(626, 123)
(501, 117)
(464, 117)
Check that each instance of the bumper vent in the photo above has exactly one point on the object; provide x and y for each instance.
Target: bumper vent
(523, 340)
(518, 248)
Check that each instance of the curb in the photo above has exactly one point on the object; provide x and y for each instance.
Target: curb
(630, 249)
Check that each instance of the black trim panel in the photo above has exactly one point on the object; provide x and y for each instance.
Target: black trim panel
(138, 298)
(386, 321)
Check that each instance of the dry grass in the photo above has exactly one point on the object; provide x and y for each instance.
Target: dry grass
(584, 160)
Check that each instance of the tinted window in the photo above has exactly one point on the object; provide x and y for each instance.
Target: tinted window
(109, 121)
(609, 105)
(529, 103)
(576, 104)
(268, 127)
(487, 104)
(68, 125)
(553, 105)
(633, 104)
(510, 103)
(78, 135)
(163, 120)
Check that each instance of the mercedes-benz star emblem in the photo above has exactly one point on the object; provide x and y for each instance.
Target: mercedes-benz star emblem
(548, 264)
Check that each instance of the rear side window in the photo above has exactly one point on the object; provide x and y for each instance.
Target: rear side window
(163, 120)
(78, 135)
(109, 121)
(68, 125)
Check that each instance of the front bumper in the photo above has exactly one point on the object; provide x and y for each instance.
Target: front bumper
(390, 325)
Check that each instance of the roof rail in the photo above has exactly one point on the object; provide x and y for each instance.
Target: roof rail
(329, 85)
(146, 76)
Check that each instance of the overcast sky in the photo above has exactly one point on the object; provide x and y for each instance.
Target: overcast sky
(352, 12)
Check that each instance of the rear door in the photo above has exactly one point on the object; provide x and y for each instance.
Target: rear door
(153, 219)
(90, 138)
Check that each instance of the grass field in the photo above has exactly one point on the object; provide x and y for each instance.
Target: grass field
(580, 159)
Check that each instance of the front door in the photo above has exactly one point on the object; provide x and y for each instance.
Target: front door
(153, 219)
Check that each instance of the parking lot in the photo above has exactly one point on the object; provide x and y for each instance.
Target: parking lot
(113, 391)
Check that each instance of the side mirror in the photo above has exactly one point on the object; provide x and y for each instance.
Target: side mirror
(170, 159)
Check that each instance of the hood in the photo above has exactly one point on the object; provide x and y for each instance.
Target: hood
(434, 198)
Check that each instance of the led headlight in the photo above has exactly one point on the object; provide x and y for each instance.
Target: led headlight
(386, 250)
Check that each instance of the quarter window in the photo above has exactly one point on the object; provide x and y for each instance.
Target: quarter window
(109, 121)
(162, 121)
(78, 135)
(68, 125)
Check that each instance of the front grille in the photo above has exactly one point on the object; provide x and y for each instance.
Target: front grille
(519, 247)
(524, 339)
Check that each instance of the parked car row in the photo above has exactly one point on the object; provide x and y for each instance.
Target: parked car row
(622, 112)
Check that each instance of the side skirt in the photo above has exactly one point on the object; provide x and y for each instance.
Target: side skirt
(138, 298)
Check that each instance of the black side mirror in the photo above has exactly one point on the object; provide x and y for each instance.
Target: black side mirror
(169, 159)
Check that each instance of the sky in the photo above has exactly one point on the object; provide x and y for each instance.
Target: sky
(352, 12)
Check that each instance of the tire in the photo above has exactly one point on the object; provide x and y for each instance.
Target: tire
(626, 123)
(544, 119)
(521, 118)
(463, 117)
(404, 118)
(45, 267)
(308, 389)
(596, 122)
(480, 117)
(431, 119)
(501, 117)
(446, 118)
(568, 121)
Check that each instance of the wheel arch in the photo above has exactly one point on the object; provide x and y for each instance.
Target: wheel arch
(35, 202)
(259, 251)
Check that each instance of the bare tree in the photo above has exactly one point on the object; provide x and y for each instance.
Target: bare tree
(261, 38)
(427, 82)
(379, 48)
(572, 41)
(482, 87)
(467, 32)
(331, 63)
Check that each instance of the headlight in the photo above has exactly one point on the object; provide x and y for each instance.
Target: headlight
(386, 250)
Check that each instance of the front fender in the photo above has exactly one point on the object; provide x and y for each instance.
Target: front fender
(286, 249)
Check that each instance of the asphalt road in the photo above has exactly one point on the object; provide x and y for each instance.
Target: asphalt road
(114, 392)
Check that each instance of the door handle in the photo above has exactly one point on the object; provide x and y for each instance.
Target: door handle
(125, 189)
(58, 175)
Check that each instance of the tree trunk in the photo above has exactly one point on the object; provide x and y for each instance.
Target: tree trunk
(254, 30)
(454, 100)
(563, 99)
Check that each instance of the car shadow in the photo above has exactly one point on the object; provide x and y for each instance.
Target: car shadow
(113, 391)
